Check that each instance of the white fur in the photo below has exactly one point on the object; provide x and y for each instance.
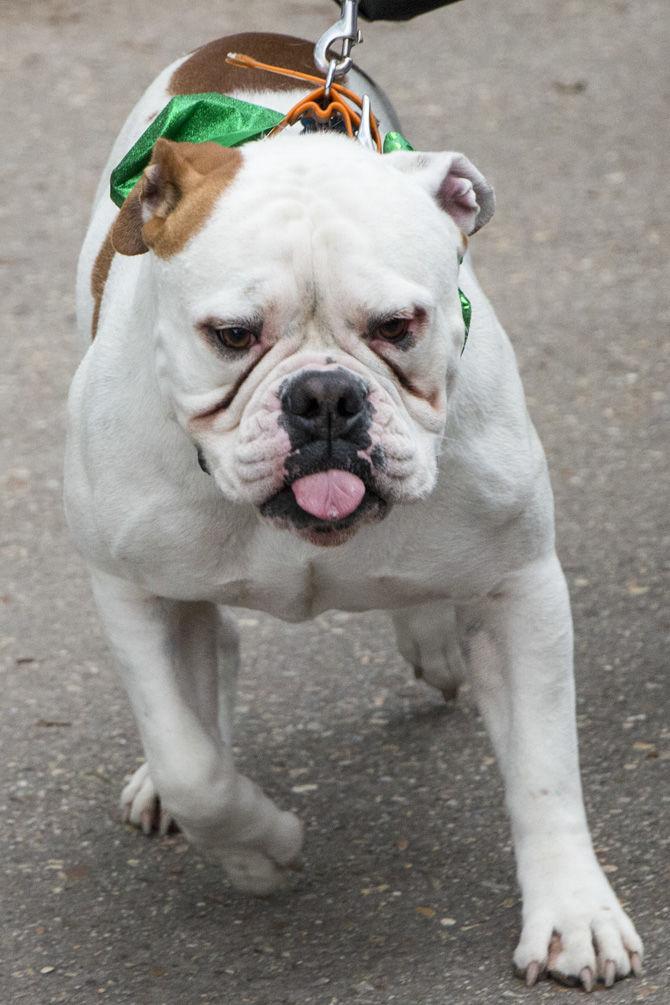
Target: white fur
(322, 231)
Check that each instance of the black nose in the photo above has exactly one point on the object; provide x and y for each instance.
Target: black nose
(326, 404)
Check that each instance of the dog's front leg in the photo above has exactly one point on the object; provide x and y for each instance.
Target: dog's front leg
(520, 656)
(169, 656)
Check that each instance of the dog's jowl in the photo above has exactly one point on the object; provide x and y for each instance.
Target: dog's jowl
(277, 388)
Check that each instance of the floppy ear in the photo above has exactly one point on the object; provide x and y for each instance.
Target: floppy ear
(454, 182)
(152, 216)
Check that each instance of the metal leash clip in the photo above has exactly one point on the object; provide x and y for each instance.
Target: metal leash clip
(345, 31)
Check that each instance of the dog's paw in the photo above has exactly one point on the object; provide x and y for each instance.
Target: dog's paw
(255, 873)
(428, 640)
(264, 868)
(579, 939)
(141, 805)
(442, 668)
(439, 677)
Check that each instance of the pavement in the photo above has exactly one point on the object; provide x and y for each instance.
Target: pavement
(408, 894)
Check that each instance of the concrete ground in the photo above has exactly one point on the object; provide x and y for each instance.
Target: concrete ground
(408, 894)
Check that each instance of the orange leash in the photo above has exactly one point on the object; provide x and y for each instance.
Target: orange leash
(345, 103)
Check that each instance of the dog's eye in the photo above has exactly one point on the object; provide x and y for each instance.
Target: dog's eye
(393, 330)
(234, 338)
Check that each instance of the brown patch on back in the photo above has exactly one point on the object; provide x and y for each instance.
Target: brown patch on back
(101, 267)
(179, 190)
(206, 69)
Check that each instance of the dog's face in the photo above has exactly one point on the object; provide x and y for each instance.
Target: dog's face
(307, 317)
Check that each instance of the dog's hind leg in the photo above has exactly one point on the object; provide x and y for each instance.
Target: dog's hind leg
(169, 654)
(428, 639)
(228, 661)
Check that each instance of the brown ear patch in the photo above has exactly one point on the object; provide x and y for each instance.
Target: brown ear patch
(174, 197)
(207, 170)
(126, 233)
(206, 69)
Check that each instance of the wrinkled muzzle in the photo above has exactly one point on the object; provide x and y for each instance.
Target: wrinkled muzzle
(324, 449)
(329, 472)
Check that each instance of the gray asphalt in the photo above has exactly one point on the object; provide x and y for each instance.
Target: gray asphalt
(408, 894)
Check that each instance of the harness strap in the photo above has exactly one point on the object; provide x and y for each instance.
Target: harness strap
(321, 104)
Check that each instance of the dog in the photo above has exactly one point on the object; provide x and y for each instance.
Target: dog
(276, 412)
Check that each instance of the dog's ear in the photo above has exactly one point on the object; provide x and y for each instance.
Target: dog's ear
(152, 216)
(454, 182)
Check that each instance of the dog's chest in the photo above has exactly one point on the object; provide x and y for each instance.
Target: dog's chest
(299, 590)
(200, 554)
(292, 580)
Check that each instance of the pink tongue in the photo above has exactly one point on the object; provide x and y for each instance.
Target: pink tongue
(329, 495)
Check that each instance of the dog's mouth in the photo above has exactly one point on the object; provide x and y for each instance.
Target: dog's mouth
(328, 505)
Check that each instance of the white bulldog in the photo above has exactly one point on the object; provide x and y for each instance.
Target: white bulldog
(275, 414)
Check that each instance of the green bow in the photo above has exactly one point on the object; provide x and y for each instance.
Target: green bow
(193, 118)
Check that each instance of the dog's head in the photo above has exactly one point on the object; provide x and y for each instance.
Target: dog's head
(307, 316)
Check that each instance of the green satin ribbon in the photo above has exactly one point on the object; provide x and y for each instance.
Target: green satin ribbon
(395, 141)
(218, 118)
(466, 308)
(193, 118)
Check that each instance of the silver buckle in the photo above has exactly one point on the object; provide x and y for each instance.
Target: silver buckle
(364, 134)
